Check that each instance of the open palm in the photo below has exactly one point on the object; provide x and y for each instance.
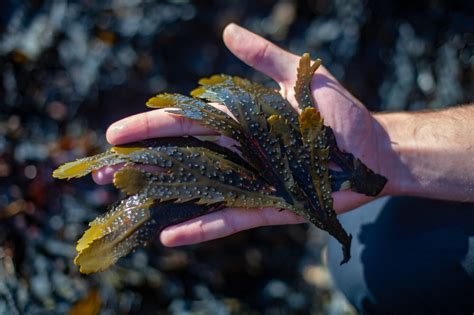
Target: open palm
(355, 128)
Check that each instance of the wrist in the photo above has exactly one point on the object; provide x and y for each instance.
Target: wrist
(427, 154)
(393, 144)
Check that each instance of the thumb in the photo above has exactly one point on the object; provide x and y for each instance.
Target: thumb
(261, 54)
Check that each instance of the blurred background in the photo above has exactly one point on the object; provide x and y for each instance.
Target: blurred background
(70, 68)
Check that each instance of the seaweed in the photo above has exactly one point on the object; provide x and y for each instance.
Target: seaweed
(280, 159)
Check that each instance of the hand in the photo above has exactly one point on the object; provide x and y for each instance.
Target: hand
(356, 132)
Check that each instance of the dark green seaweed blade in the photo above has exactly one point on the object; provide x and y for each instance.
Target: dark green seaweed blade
(284, 127)
(314, 139)
(147, 152)
(270, 102)
(317, 145)
(168, 187)
(298, 163)
(192, 142)
(204, 176)
(362, 179)
(274, 104)
(260, 146)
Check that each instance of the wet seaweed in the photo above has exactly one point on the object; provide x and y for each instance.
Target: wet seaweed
(282, 161)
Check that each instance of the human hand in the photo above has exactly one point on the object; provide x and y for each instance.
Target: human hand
(355, 128)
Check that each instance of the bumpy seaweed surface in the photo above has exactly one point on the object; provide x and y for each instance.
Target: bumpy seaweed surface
(281, 160)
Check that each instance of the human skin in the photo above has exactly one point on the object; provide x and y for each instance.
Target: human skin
(428, 154)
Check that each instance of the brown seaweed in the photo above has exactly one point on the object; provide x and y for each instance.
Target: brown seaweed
(282, 161)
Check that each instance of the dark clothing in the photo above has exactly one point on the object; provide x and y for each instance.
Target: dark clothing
(409, 256)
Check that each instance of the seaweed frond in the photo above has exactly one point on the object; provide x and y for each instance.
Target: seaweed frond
(281, 160)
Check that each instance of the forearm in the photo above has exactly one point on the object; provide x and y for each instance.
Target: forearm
(429, 154)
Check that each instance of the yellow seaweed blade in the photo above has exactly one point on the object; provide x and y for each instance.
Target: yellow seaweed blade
(315, 65)
(310, 118)
(93, 260)
(304, 76)
(125, 150)
(162, 101)
(98, 257)
(305, 62)
(95, 231)
(197, 92)
(130, 180)
(279, 126)
(241, 81)
(81, 167)
(273, 119)
(112, 237)
(214, 79)
(73, 169)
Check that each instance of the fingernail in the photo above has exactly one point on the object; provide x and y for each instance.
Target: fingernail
(114, 131)
(231, 28)
(167, 236)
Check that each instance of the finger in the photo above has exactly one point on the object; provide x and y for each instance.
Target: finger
(105, 175)
(261, 54)
(348, 200)
(223, 223)
(152, 124)
(232, 220)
